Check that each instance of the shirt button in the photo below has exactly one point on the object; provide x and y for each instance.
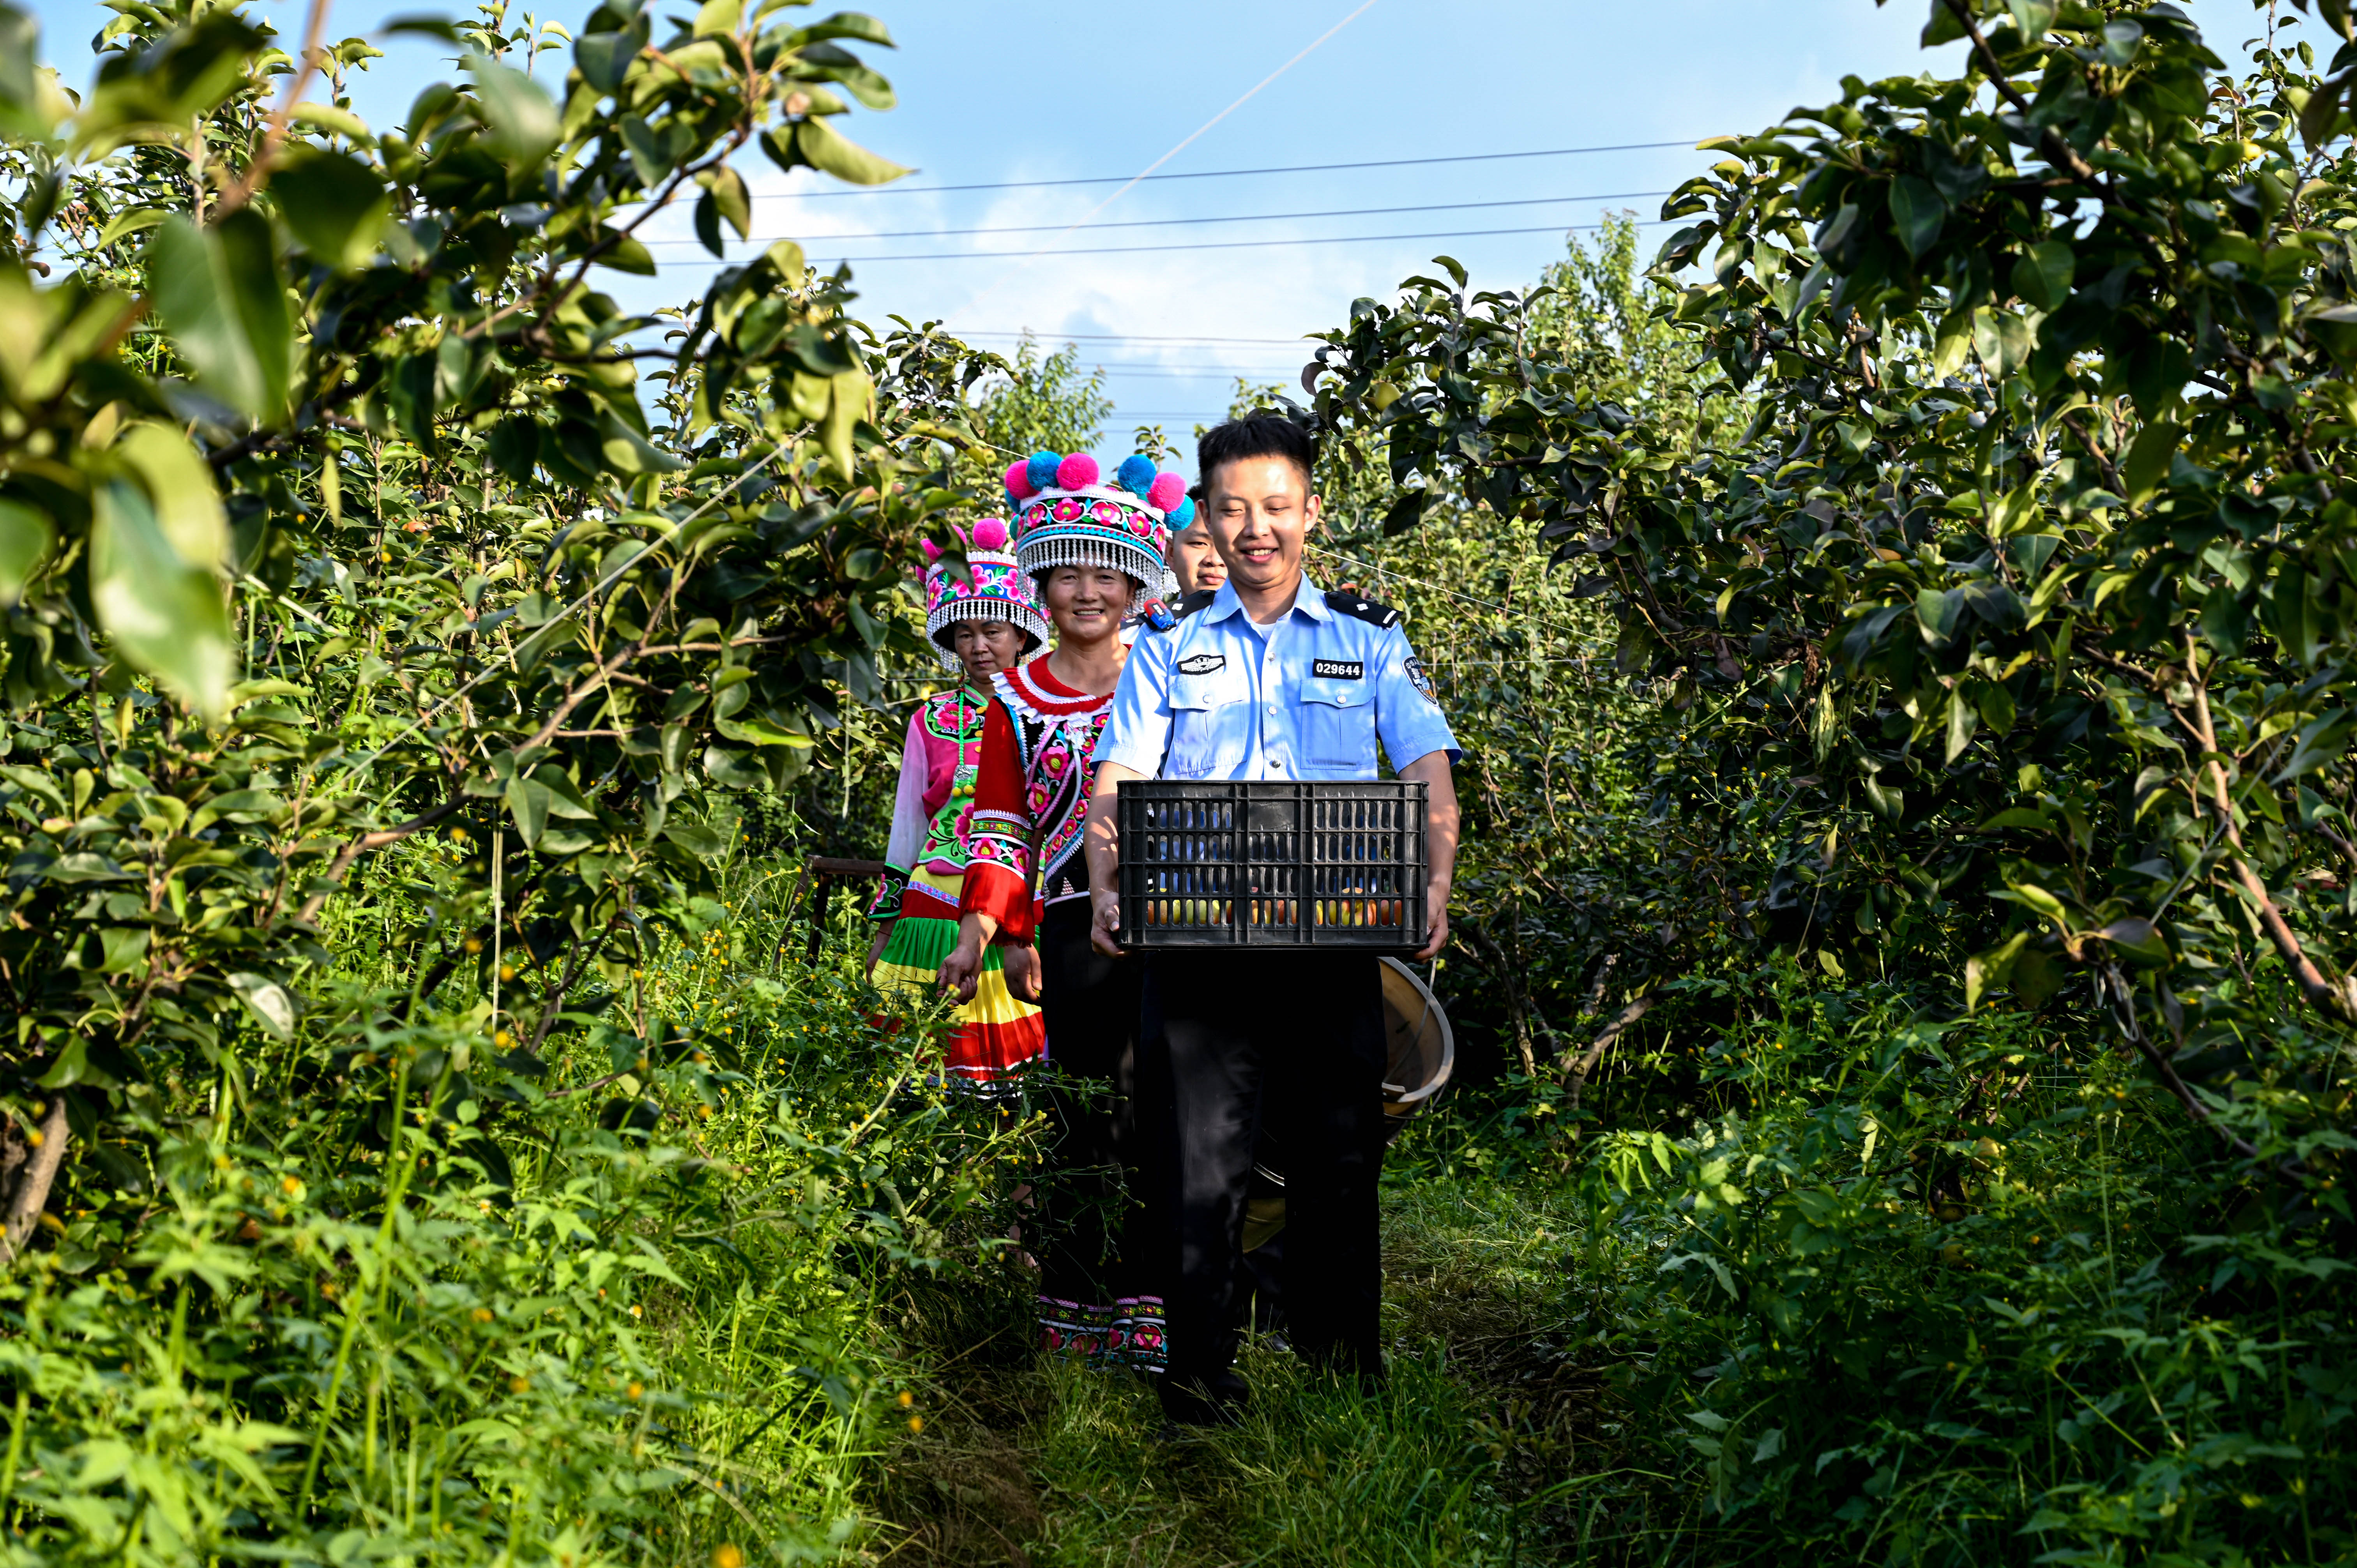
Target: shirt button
(1272, 709)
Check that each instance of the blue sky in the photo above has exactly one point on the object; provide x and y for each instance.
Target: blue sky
(1066, 89)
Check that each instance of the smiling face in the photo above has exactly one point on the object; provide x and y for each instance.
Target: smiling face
(1260, 511)
(1086, 602)
(986, 648)
(1194, 560)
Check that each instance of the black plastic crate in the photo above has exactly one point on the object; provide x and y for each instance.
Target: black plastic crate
(1274, 865)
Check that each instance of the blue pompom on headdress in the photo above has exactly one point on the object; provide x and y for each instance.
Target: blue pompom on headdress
(1184, 515)
(1041, 469)
(1135, 473)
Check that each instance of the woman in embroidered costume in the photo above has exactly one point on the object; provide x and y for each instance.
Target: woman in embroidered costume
(1094, 550)
(984, 625)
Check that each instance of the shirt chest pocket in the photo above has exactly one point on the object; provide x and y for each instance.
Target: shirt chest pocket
(1337, 726)
(1211, 720)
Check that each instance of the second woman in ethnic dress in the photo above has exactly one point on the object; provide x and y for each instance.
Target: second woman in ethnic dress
(1096, 551)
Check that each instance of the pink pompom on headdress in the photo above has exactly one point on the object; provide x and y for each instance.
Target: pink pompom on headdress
(990, 533)
(1077, 472)
(933, 551)
(1019, 479)
(1167, 493)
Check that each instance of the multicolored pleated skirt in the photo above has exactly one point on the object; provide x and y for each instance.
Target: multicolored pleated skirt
(995, 1033)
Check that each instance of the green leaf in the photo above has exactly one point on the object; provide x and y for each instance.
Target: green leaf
(1963, 719)
(1943, 27)
(825, 149)
(137, 220)
(650, 154)
(849, 25)
(1937, 610)
(335, 206)
(223, 300)
(29, 100)
(328, 120)
(627, 253)
(718, 16)
(528, 802)
(267, 1001)
(25, 540)
(849, 396)
(2002, 339)
(2136, 938)
(522, 126)
(166, 616)
(2148, 458)
(729, 194)
(2031, 896)
(2321, 742)
(626, 451)
(1918, 211)
(2032, 17)
(1983, 971)
(2042, 274)
(180, 484)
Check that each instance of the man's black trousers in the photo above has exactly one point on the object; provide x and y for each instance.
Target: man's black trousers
(1227, 1041)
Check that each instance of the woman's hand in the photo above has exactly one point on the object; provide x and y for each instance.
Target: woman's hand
(961, 970)
(875, 948)
(1023, 976)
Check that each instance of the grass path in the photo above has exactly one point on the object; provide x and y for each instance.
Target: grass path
(1035, 1463)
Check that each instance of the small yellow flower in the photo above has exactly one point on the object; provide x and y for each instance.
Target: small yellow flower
(916, 1423)
(474, 944)
(637, 1311)
(507, 972)
(635, 1390)
(727, 1556)
(520, 1385)
(502, 1038)
(289, 1185)
(907, 1399)
(482, 1314)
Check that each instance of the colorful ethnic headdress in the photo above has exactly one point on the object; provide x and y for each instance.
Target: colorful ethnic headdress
(1064, 517)
(995, 588)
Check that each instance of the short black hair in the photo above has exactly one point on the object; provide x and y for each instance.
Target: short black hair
(1263, 433)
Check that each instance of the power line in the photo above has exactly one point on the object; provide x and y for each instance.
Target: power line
(1226, 244)
(1190, 139)
(1239, 173)
(1133, 338)
(1172, 222)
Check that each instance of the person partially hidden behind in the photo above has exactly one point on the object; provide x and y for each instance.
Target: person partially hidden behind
(1272, 679)
(1194, 561)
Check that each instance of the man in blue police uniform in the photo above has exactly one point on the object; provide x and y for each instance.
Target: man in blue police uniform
(1268, 678)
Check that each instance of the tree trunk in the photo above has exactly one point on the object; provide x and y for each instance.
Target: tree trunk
(30, 1193)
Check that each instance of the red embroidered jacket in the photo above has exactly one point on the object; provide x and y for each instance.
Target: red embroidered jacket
(1037, 766)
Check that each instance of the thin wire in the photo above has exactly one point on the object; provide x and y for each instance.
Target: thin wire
(1174, 222)
(1129, 337)
(1236, 173)
(1364, 6)
(1027, 257)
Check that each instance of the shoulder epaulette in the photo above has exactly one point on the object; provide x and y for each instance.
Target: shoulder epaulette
(1200, 599)
(1365, 610)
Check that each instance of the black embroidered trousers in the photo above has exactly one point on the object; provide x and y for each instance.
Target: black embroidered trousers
(1095, 1244)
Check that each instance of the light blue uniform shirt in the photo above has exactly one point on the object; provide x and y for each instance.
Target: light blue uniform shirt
(1307, 697)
